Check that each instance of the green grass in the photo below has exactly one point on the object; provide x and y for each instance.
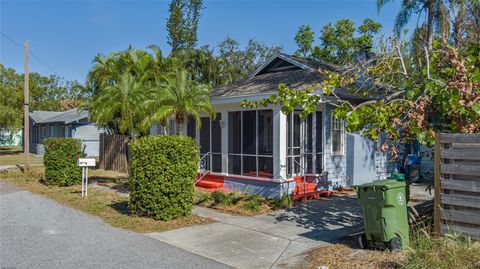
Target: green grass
(14, 155)
(110, 207)
(449, 251)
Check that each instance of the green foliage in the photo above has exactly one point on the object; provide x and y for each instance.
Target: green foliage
(245, 60)
(224, 198)
(253, 203)
(416, 103)
(46, 93)
(162, 176)
(339, 42)
(202, 197)
(182, 24)
(180, 96)
(60, 160)
(121, 103)
(284, 201)
(304, 39)
(450, 251)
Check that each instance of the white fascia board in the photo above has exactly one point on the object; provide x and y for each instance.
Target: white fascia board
(240, 98)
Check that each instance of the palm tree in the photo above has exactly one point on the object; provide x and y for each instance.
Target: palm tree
(437, 16)
(179, 96)
(121, 105)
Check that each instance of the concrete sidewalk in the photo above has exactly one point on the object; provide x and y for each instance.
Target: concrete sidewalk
(277, 240)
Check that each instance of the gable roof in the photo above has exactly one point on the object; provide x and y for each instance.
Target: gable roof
(295, 72)
(64, 117)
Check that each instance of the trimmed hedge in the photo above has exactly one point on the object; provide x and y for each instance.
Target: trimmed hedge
(60, 160)
(162, 176)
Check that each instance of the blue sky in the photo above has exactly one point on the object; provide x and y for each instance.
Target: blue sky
(66, 35)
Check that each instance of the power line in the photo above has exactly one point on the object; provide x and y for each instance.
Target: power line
(31, 53)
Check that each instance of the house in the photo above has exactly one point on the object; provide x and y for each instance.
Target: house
(266, 152)
(71, 123)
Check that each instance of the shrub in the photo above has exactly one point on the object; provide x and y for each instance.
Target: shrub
(284, 201)
(162, 176)
(60, 160)
(202, 197)
(225, 198)
(253, 205)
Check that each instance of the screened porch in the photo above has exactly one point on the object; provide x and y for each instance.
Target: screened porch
(262, 144)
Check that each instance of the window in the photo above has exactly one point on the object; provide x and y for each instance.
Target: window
(172, 127)
(192, 128)
(338, 134)
(35, 134)
(250, 145)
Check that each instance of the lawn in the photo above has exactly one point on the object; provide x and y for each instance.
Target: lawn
(110, 207)
(14, 155)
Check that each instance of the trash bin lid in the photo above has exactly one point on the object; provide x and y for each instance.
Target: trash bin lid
(398, 176)
(385, 184)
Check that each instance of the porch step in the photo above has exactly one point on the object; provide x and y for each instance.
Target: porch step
(209, 189)
(311, 195)
(209, 184)
(308, 187)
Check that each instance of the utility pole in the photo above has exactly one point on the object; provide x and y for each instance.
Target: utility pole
(26, 118)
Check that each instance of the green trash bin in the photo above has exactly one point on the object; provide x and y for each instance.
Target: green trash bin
(384, 209)
(401, 177)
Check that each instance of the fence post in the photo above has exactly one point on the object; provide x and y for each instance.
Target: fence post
(436, 183)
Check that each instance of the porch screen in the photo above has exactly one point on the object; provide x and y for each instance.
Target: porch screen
(209, 139)
(304, 144)
(250, 145)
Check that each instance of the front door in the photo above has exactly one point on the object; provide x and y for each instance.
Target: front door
(301, 152)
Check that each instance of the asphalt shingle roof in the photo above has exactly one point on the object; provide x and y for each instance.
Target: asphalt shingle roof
(267, 83)
(65, 117)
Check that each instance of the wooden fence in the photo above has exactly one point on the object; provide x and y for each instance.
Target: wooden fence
(114, 153)
(457, 184)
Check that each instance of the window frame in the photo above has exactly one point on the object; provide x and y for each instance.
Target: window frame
(337, 125)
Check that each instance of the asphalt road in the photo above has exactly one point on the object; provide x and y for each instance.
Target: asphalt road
(36, 232)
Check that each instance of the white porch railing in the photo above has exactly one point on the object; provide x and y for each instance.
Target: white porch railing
(202, 167)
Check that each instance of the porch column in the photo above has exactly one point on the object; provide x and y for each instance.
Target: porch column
(279, 144)
(224, 126)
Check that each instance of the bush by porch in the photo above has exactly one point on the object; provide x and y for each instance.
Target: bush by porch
(162, 176)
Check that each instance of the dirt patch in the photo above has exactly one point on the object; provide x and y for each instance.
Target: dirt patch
(347, 254)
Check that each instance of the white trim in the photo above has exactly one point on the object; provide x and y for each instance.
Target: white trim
(342, 136)
(240, 98)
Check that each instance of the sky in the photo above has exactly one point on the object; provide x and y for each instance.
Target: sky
(64, 36)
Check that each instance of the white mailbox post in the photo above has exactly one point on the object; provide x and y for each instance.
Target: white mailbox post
(85, 163)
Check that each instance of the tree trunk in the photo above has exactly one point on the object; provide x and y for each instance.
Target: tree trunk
(180, 119)
(429, 39)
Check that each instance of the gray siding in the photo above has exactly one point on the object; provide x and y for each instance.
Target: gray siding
(362, 159)
(90, 136)
(336, 165)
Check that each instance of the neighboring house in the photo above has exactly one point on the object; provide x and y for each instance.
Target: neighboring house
(10, 137)
(266, 152)
(71, 123)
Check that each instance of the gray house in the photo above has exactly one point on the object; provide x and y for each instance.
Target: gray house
(71, 123)
(263, 151)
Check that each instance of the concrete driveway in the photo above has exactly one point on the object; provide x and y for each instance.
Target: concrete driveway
(36, 232)
(277, 240)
